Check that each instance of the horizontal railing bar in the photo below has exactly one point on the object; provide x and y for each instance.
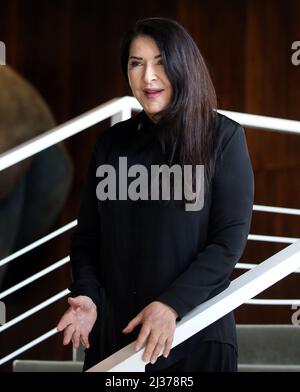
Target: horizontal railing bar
(37, 243)
(34, 310)
(48, 237)
(257, 301)
(252, 265)
(242, 289)
(271, 238)
(264, 122)
(256, 207)
(246, 266)
(29, 345)
(67, 259)
(277, 210)
(66, 130)
(34, 277)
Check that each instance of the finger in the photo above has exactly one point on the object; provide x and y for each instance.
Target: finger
(168, 347)
(68, 334)
(157, 350)
(151, 344)
(62, 324)
(133, 323)
(85, 341)
(142, 337)
(76, 339)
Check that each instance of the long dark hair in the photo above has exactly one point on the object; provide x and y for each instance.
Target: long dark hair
(187, 124)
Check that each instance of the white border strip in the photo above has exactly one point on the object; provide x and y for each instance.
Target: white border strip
(34, 277)
(39, 242)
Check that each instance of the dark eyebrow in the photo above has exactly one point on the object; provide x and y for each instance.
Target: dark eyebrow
(141, 58)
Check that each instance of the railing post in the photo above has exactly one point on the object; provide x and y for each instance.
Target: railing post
(123, 115)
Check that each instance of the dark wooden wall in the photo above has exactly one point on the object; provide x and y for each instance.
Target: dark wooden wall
(69, 51)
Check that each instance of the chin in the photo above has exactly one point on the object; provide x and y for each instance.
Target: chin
(153, 110)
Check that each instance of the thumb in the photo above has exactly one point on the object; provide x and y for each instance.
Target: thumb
(133, 323)
(74, 302)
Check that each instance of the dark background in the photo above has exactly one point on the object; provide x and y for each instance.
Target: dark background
(69, 51)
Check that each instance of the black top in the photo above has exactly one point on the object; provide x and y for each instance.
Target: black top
(126, 254)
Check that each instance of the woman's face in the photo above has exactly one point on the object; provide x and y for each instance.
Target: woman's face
(147, 78)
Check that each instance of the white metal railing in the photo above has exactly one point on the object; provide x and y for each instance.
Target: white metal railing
(72, 224)
(240, 290)
(34, 310)
(29, 345)
(34, 277)
(264, 122)
(277, 210)
(118, 110)
(37, 243)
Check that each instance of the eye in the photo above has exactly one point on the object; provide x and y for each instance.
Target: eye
(159, 62)
(134, 63)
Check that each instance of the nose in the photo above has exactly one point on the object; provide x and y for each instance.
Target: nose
(149, 73)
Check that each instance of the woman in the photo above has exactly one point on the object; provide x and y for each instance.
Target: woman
(140, 264)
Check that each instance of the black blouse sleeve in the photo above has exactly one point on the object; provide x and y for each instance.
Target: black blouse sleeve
(230, 218)
(85, 241)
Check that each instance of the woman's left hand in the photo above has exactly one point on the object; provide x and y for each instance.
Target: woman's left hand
(158, 326)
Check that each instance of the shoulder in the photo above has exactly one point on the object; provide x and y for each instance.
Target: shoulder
(226, 129)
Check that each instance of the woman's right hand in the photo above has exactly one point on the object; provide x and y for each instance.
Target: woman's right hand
(78, 321)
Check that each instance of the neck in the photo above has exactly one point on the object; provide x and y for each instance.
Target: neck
(153, 117)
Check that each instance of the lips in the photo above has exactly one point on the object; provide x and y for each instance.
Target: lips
(152, 93)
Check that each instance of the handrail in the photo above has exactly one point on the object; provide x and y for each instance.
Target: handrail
(66, 291)
(239, 291)
(120, 109)
(264, 122)
(276, 210)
